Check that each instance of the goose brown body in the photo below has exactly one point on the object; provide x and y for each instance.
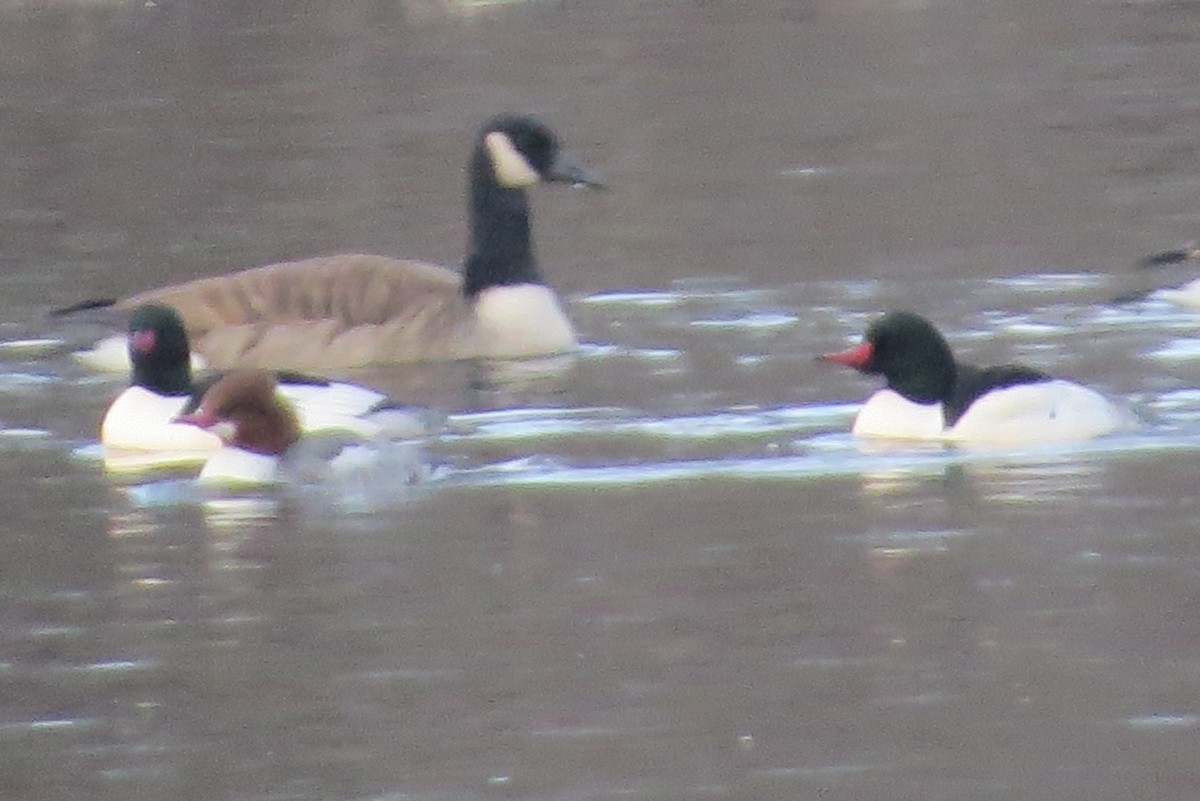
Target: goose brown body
(339, 311)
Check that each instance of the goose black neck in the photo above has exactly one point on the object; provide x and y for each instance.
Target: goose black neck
(501, 251)
(164, 379)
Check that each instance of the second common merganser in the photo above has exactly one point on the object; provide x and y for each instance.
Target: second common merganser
(932, 396)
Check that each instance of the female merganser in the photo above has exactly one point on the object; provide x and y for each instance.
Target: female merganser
(355, 310)
(162, 387)
(931, 396)
(263, 444)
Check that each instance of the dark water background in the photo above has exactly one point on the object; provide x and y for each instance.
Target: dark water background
(664, 572)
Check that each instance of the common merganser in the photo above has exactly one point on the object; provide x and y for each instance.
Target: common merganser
(162, 387)
(931, 396)
(1186, 294)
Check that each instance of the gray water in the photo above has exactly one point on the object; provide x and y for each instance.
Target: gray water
(662, 571)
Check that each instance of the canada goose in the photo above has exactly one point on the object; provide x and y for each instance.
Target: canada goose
(161, 387)
(264, 444)
(932, 396)
(353, 310)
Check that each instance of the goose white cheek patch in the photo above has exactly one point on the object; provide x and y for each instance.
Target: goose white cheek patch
(512, 170)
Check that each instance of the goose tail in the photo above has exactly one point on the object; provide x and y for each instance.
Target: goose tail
(82, 306)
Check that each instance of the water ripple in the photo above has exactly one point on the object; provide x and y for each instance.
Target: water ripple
(1031, 473)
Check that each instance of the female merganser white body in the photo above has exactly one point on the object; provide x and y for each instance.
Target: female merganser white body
(931, 396)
